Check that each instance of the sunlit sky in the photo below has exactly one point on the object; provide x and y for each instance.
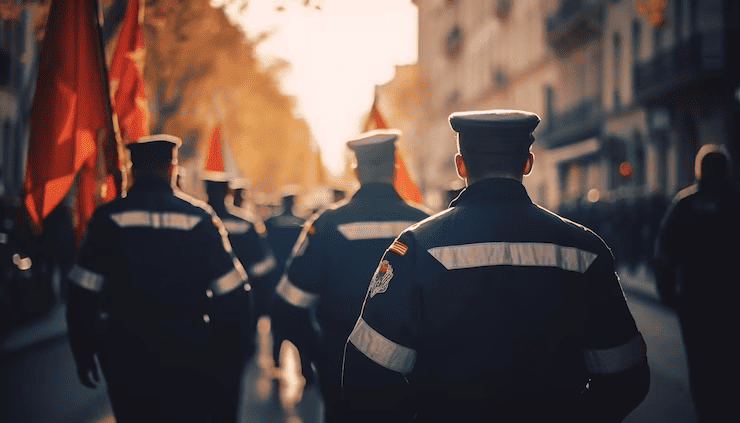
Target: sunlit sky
(338, 54)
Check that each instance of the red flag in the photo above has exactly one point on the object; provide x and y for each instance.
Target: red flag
(127, 76)
(220, 163)
(403, 183)
(71, 123)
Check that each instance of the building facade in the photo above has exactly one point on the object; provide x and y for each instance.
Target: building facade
(628, 90)
(474, 55)
(19, 52)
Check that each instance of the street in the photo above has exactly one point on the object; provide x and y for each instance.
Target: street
(41, 385)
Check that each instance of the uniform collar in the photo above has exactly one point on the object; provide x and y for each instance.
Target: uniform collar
(375, 190)
(490, 190)
(151, 184)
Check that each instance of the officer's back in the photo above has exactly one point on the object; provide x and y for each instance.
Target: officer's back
(283, 230)
(495, 309)
(146, 290)
(335, 256)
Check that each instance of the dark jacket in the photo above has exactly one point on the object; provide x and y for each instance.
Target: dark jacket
(331, 265)
(149, 295)
(492, 310)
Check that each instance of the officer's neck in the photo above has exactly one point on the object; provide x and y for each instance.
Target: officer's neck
(470, 180)
(218, 204)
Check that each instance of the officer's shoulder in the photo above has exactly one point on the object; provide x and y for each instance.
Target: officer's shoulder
(330, 211)
(243, 214)
(110, 207)
(430, 224)
(686, 193)
(193, 204)
(579, 233)
(422, 210)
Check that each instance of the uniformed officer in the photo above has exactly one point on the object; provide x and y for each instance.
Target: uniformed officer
(335, 256)
(495, 309)
(283, 230)
(696, 250)
(149, 295)
(250, 247)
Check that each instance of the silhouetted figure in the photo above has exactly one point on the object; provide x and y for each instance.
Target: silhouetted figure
(696, 266)
(495, 309)
(150, 295)
(282, 233)
(333, 261)
(258, 260)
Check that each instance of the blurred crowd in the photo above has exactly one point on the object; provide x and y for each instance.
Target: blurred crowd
(628, 227)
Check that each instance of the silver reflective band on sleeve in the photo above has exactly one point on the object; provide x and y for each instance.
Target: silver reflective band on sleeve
(617, 359)
(86, 278)
(3, 238)
(156, 220)
(382, 350)
(227, 282)
(294, 295)
(264, 266)
(373, 230)
(236, 227)
(513, 254)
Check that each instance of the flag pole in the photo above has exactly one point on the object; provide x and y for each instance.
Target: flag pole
(113, 156)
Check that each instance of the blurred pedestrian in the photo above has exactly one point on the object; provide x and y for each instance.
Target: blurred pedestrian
(334, 258)
(150, 295)
(246, 238)
(495, 309)
(282, 233)
(696, 252)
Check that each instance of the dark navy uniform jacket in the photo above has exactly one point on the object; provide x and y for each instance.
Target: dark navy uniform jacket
(331, 263)
(492, 309)
(249, 239)
(282, 232)
(149, 293)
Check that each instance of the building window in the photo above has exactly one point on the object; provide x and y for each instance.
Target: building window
(502, 8)
(453, 43)
(617, 70)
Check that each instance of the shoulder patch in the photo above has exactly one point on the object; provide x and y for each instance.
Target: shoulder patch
(381, 278)
(399, 248)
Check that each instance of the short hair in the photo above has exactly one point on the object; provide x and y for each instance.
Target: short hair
(479, 165)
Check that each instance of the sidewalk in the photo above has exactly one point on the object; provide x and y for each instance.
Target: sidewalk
(50, 326)
(639, 282)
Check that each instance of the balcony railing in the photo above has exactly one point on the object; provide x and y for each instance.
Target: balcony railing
(693, 60)
(575, 124)
(575, 22)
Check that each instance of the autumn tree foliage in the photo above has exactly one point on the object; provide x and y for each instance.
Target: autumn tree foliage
(201, 70)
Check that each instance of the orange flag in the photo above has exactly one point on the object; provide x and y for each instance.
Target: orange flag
(403, 183)
(127, 76)
(71, 123)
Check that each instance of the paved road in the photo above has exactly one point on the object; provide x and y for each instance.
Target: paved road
(669, 399)
(41, 385)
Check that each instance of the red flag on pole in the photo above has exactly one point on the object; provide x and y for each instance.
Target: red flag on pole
(403, 183)
(71, 123)
(127, 76)
(220, 163)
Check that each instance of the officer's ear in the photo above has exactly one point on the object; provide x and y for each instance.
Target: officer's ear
(528, 164)
(462, 171)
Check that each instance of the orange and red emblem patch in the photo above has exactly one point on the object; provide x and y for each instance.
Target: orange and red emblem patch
(399, 248)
